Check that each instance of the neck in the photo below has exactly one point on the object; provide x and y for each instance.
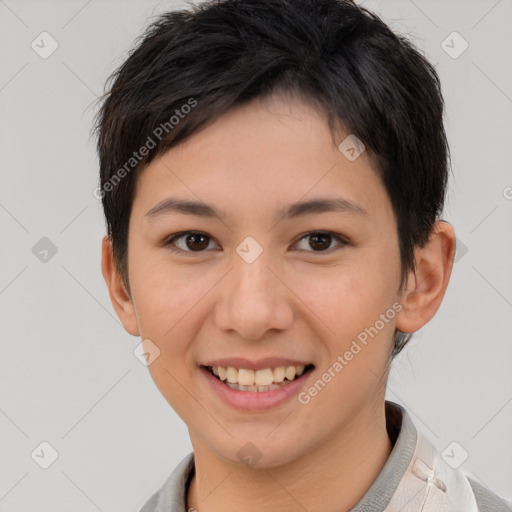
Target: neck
(333, 477)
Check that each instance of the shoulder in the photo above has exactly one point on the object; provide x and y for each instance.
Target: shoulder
(431, 484)
(172, 494)
(151, 504)
(488, 501)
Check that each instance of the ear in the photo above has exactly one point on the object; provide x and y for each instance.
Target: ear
(427, 285)
(119, 296)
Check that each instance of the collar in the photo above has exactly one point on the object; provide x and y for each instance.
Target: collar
(415, 478)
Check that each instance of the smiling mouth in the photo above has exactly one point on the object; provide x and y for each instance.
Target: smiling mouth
(266, 379)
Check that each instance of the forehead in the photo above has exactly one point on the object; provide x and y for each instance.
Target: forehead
(262, 157)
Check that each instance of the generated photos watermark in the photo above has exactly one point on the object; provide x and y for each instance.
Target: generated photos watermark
(137, 156)
(341, 361)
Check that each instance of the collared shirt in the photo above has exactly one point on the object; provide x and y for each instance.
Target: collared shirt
(415, 478)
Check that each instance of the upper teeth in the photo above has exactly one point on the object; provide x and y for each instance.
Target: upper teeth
(263, 377)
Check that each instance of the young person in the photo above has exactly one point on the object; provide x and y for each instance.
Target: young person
(272, 175)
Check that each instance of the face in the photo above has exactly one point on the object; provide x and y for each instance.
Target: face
(262, 282)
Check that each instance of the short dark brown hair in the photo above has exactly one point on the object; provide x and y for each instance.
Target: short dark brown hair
(335, 54)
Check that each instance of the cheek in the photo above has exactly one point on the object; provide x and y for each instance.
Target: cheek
(166, 303)
(347, 302)
(343, 298)
(165, 296)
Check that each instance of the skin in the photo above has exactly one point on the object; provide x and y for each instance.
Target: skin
(294, 300)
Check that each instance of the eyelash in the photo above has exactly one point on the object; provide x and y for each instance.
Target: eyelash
(343, 241)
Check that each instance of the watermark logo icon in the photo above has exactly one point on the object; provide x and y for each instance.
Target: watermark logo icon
(249, 250)
(44, 45)
(146, 352)
(461, 250)
(454, 454)
(44, 455)
(44, 250)
(454, 45)
(351, 147)
(249, 454)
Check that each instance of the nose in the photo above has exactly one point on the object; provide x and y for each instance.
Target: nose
(254, 299)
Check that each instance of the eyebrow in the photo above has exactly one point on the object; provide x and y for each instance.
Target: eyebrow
(295, 210)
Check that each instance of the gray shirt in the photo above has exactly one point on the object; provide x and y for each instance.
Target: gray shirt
(415, 478)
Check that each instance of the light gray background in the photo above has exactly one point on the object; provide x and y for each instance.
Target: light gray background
(67, 369)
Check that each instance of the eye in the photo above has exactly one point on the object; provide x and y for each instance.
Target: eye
(192, 241)
(197, 241)
(321, 240)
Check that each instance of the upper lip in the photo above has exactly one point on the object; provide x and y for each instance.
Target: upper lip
(266, 362)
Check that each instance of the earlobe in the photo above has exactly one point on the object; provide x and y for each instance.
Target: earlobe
(119, 296)
(427, 285)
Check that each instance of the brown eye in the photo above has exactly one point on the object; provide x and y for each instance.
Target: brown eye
(321, 241)
(188, 241)
(196, 242)
(191, 241)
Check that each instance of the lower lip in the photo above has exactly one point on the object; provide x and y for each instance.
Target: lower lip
(255, 400)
